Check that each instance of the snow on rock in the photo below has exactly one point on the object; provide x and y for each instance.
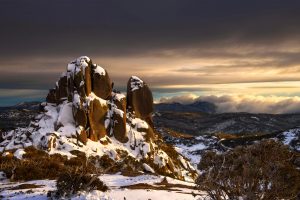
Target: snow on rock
(83, 61)
(119, 96)
(99, 70)
(136, 83)
(148, 168)
(65, 116)
(92, 97)
(19, 153)
(76, 99)
(139, 123)
(161, 158)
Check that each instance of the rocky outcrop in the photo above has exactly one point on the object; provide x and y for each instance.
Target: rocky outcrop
(102, 86)
(119, 117)
(83, 114)
(140, 99)
(51, 97)
(98, 112)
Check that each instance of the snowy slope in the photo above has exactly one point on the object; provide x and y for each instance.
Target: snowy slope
(179, 190)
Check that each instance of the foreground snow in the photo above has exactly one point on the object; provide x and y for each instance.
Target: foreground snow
(115, 182)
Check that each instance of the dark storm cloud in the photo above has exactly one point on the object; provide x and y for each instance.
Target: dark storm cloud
(137, 27)
(38, 38)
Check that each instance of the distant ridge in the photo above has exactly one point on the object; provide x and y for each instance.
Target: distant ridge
(197, 106)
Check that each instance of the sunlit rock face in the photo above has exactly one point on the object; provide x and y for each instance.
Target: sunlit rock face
(97, 111)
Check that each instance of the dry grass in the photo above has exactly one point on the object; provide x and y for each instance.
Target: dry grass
(37, 164)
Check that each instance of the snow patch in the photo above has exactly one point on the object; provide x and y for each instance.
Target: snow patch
(65, 116)
(92, 97)
(19, 153)
(99, 70)
(136, 83)
(148, 168)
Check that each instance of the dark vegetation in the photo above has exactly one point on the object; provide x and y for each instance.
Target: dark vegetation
(232, 141)
(73, 175)
(163, 185)
(25, 186)
(266, 170)
(69, 184)
(37, 164)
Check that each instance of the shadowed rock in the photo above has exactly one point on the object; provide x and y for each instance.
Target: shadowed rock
(119, 118)
(70, 87)
(79, 83)
(140, 99)
(82, 136)
(101, 82)
(80, 117)
(63, 87)
(51, 97)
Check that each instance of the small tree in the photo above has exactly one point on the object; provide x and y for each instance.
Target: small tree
(261, 171)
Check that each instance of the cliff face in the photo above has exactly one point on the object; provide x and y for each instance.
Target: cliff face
(83, 113)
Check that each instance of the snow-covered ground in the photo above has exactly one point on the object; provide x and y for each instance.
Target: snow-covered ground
(116, 182)
(191, 152)
(292, 139)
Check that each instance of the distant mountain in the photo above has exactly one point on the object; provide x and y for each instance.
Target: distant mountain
(229, 123)
(198, 106)
(18, 115)
(33, 105)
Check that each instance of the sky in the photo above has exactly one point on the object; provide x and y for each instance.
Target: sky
(182, 49)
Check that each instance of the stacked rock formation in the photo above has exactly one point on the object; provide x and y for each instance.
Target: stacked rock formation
(83, 113)
(97, 111)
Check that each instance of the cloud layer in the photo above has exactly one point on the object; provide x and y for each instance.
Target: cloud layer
(231, 47)
(244, 103)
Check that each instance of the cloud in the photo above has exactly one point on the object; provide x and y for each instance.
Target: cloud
(169, 44)
(184, 99)
(244, 103)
